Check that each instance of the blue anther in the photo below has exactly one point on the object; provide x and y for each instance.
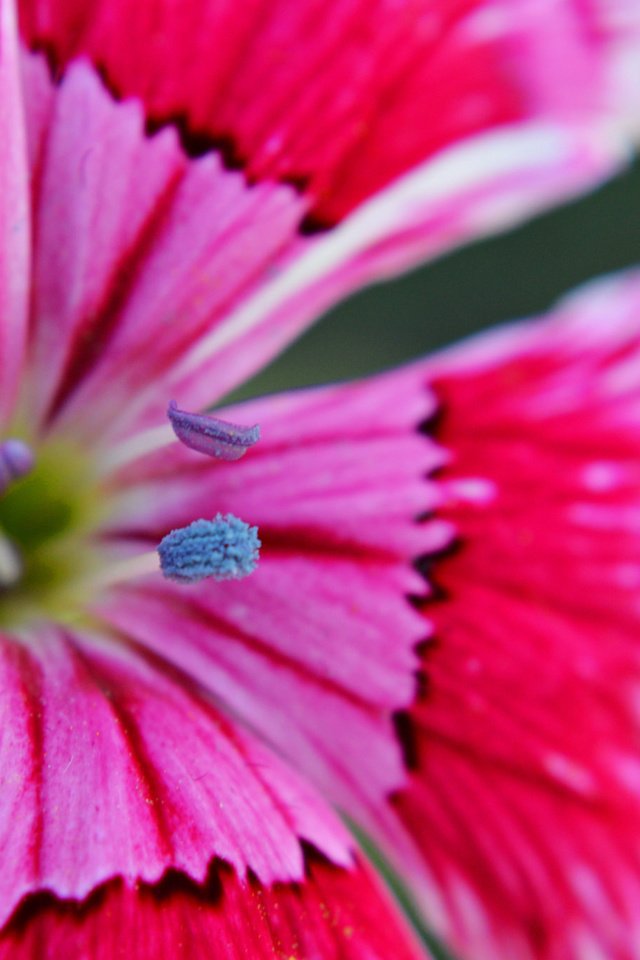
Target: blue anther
(16, 460)
(224, 548)
(216, 438)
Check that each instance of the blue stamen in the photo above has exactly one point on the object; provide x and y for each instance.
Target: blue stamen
(206, 434)
(16, 460)
(224, 548)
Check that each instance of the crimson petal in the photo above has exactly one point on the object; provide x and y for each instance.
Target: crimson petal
(526, 797)
(333, 915)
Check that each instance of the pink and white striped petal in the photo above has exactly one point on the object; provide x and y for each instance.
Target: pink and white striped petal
(114, 766)
(15, 215)
(526, 795)
(316, 649)
(137, 250)
(334, 915)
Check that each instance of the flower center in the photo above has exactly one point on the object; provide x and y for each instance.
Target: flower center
(46, 517)
(52, 505)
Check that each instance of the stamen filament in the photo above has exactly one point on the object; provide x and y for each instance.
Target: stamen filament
(138, 446)
(10, 562)
(121, 571)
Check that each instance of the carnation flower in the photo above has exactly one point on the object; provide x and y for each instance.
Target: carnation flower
(179, 730)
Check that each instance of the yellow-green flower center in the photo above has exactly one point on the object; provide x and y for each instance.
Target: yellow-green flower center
(47, 518)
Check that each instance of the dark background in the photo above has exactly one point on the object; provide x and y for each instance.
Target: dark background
(516, 274)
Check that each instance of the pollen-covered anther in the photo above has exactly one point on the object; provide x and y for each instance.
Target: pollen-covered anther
(208, 435)
(224, 548)
(16, 461)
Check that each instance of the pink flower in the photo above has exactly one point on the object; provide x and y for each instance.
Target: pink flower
(170, 753)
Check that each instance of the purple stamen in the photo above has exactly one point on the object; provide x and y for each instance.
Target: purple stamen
(16, 461)
(216, 438)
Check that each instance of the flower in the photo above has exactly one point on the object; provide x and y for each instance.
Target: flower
(168, 750)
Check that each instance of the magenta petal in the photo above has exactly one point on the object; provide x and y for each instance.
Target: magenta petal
(14, 215)
(526, 798)
(316, 648)
(333, 915)
(117, 768)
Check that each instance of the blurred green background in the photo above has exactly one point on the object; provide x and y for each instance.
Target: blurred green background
(516, 274)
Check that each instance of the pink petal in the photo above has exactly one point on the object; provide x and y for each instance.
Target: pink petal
(14, 215)
(334, 915)
(139, 277)
(526, 797)
(316, 648)
(114, 767)
(268, 79)
(616, 26)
